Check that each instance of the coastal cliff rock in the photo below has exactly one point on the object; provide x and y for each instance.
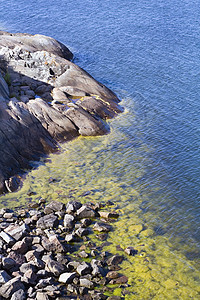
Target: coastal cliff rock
(44, 99)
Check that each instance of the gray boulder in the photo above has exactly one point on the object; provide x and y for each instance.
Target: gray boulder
(10, 287)
(48, 221)
(4, 277)
(19, 295)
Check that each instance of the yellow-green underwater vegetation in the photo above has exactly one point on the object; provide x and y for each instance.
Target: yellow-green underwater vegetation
(115, 167)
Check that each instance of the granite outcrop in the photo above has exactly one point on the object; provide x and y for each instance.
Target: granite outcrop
(45, 99)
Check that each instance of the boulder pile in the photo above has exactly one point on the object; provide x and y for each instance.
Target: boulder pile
(44, 99)
(46, 252)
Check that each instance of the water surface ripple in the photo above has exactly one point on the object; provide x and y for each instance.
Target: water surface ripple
(148, 53)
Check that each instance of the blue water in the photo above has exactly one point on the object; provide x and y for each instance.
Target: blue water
(148, 52)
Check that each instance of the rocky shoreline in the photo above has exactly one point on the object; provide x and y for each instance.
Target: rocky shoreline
(44, 99)
(46, 252)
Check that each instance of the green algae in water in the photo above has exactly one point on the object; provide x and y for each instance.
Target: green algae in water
(114, 168)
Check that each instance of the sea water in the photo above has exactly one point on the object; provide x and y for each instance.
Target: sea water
(149, 165)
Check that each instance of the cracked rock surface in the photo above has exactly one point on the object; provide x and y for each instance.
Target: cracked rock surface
(44, 99)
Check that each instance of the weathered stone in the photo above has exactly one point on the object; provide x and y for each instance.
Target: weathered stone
(20, 247)
(19, 295)
(17, 257)
(114, 268)
(70, 238)
(34, 204)
(59, 95)
(112, 275)
(8, 215)
(17, 274)
(72, 265)
(26, 267)
(67, 277)
(87, 124)
(34, 212)
(31, 293)
(44, 282)
(93, 253)
(72, 289)
(86, 212)
(41, 296)
(101, 280)
(52, 244)
(99, 296)
(73, 91)
(43, 88)
(120, 280)
(57, 244)
(97, 268)
(48, 221)
(7, 238)
(10, 287)
(38, 248)
(130, 251)
(102, 227)
(72, 206)
(36, 240)
(69, 221)
(83, 254)
(82, 291)
(86, 222)
(53, 207)
(29, 277)
(62, 258)
(16, 231)
(12, 183)
(43, 274)
(83, 247)
(30, 94)
(31, 255)
(115, 260)
(81, 232)
(55, 267)
(107, 215)
(84, 268)
(47, 257)
(4, 277)
(38, 263)
(86, 283)
(8, 263)
(52, 291)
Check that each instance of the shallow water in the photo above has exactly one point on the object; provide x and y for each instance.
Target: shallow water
(148, 53)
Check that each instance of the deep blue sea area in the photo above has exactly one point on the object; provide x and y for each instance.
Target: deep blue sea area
(148, 52)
